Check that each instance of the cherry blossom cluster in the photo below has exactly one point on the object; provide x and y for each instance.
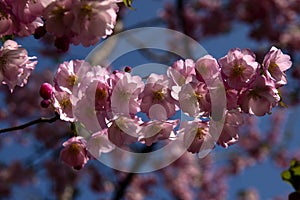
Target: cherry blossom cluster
(16, 65)
(118, 97)
(70, 21)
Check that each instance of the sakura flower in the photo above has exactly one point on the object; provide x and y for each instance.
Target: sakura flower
(276, 63)
(66, 75)
(63, 105)
(124, 98)
(22, 17)
(238, 68)
(260, 98)
(123, 130)
(27, 11)
(98, 143)
(153, 131)
(196, 137)
(229, 134)
(82, 22)
(93, 20)
(59, 18)
(16, 66)
(156, 98)
(207, 69)
(6, 22)
(180, 73)
(75, 153)
(194, 99)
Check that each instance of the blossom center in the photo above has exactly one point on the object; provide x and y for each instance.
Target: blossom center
(198, 96)
(74, 148)
(86, 10)
(59, 12)
(237, 70)
(72, 80)
(65, 103)
(101, 94)
(272, 67)
(200, 133)
(158, 95)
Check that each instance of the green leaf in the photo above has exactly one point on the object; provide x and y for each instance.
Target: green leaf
(286, 176)
(296, 170)
(128, 3)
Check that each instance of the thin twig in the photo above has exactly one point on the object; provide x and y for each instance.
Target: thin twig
(37, 121)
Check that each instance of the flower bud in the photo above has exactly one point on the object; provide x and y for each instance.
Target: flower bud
(45, 103)
(127, 69)
(46, 91)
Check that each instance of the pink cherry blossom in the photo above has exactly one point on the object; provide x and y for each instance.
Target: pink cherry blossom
(16, 65)
(59, 17)
(157, 96)
(98, 143)
(260, 98)
(124, 98)
(276, 63)
(194, 99)
(62, 104)
(93, 20)
(181, 71)
(153, 131)
(82, 22)
(229, 134)
(231, 99)
(66, 75)
(123, 131)
(27, 11)
(21, 17)
(207, 69)
(196, 137)
(238, 68)
(75, 153)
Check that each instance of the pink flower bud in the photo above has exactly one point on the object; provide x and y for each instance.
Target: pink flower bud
(46, 91)
(127, 69)
(45, 103)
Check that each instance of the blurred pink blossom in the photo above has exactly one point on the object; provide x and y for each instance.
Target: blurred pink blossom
(83, 22)
(16, 65)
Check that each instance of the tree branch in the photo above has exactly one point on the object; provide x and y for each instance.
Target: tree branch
(37, 121)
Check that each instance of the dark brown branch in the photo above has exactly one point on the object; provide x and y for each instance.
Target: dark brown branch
(37, 121)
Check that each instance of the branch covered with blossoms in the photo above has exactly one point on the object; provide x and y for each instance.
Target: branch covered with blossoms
(117, 98)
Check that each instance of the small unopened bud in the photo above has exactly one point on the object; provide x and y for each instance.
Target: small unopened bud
(127, 69)
(45, 103)
(46, 91)
(39, 32)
